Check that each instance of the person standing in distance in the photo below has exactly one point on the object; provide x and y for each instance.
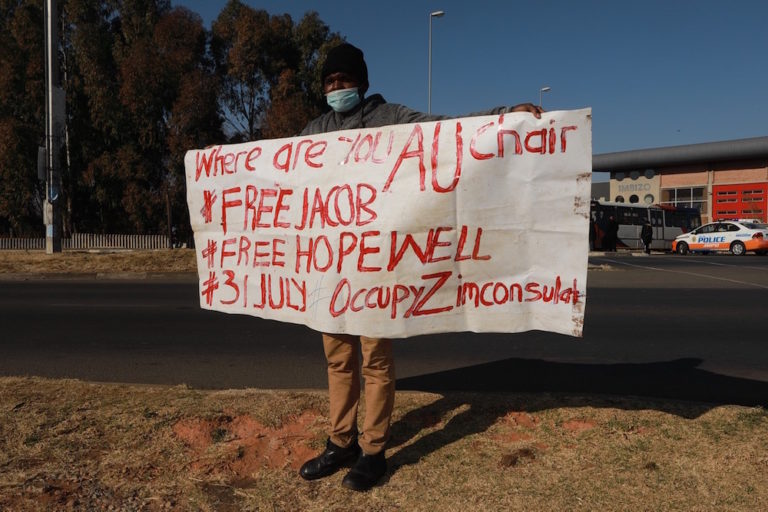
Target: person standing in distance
(646, 235)
(612, 233)
(345, 82)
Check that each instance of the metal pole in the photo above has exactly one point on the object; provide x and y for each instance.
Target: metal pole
(542, 90)
(54, 106)
(435, 14)
(429, 72)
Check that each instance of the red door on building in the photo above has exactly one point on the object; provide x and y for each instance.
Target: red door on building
(740, 201)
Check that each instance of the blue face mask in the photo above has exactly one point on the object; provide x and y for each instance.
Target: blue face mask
(343, 100)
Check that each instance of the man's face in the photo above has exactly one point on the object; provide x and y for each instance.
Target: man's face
(338, 81)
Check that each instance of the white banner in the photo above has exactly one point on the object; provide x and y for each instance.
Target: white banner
(473, 224)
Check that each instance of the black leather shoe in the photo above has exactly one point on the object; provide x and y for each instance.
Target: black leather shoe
(330, 461)
(366, 472)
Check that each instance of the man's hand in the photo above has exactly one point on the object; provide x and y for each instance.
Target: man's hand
(528, 107)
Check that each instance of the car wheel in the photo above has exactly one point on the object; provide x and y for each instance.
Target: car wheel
(682, 248)
(738, 249)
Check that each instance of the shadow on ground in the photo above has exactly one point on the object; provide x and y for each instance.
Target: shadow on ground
(676, 387)
(681, 379)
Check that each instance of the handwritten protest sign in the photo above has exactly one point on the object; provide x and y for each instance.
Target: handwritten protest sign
(473, 224)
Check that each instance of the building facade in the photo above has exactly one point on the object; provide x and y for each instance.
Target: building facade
(724, 180)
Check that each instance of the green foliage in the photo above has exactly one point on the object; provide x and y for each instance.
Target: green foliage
(145, 82)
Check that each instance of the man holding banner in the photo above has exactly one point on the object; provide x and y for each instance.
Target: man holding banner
(345, 82)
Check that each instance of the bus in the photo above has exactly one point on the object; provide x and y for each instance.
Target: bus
(667, 222)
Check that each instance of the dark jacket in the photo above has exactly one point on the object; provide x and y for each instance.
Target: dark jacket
(374, 112)
(646, 234)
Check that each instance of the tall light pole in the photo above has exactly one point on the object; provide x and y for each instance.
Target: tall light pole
(54, 124)
(435, 14)
(544, 89)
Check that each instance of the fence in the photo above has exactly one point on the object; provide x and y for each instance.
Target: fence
(84, 241)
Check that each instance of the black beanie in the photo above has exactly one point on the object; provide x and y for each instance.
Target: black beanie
(348, 59)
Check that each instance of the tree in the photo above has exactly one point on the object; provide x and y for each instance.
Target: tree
(145, 83)
(268, 70)
(156, 69)
(240, 44)
(193, 116)
(22, 79)
(297, 96)
(95, 116)
(132, 69)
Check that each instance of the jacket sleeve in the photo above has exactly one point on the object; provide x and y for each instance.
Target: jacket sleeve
(406, 115)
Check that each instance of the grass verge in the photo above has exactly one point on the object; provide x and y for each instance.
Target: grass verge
(72, 445)
(38, 262)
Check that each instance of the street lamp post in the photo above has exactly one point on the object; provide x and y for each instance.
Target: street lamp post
(543, 90)
(54, 127)
(435, 14)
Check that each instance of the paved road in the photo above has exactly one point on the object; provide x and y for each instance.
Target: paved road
(692, 328)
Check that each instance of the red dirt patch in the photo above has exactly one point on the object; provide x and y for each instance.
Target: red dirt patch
(576, 426)
(512, 423)
(240, 446)
(522, 419)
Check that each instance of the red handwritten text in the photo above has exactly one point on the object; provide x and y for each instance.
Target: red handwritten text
(494, 293)
(344, 299)
(542, 141)
(216, 163)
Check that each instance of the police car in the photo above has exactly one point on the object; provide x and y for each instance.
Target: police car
(738, 237)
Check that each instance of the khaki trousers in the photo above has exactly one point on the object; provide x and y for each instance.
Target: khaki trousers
(378, 370)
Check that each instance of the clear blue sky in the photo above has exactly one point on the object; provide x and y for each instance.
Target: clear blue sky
(655, 72)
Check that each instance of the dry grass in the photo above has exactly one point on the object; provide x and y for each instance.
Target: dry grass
(70, 445)
(37, 262)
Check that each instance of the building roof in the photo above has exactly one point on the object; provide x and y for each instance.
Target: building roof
(730, 150)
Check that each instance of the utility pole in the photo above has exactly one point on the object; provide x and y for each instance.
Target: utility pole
(54, 127)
